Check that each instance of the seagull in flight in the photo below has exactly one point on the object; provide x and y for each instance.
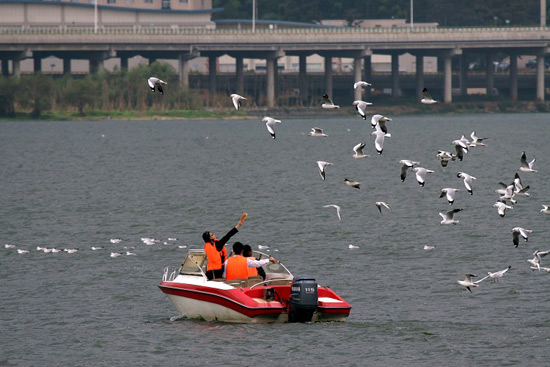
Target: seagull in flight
(361, 84)
(519, 189)
(316, 131)
(450, 193)
(361, 107)
(380, 121)
(448, 217)
(405, 165)
(467, 181)
(328, 104)
(467, 282)
(526, 166)
(445, 157)
(501, 207)
(380, 204)
(337, 209)
(270, 123)
(496, 275)
(358, 151)
(427, 98)
(519, 231)
(421, 174)
(156, 83)
(237, 100)
(353, 184)
(545, 209)
(322, 165)
(476, 142)
(537, 257)
(461, 148)
(379, 141)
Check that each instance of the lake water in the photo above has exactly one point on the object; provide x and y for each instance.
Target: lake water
(80, 184)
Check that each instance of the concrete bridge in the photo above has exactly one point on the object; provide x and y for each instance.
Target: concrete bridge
(270, 44)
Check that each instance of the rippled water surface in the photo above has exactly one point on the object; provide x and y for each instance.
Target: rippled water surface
(80, 184)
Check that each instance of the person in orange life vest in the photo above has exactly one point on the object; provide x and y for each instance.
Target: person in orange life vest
(237, 265)
(216, 252)
(252, 271)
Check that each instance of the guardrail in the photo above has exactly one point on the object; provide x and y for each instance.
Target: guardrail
(168, 275)
(61, 30)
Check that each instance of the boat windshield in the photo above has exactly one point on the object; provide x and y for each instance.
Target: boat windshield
(194, 263)
(272, 271)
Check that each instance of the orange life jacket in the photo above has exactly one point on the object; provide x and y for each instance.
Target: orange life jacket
(214, 256)
(252, 271)
(236, 267)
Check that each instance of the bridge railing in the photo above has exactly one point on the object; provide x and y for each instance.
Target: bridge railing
(135, 30)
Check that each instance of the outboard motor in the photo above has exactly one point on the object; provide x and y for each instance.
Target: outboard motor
(303, 299)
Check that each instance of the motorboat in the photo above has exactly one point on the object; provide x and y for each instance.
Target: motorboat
(280, 297)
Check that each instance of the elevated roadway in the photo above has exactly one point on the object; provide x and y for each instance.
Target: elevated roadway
(270, 44)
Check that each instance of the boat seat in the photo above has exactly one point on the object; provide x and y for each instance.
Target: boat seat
(237, 282)
(280, 282)
(254, 280)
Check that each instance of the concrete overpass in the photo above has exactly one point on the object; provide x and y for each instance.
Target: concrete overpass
(270, 44)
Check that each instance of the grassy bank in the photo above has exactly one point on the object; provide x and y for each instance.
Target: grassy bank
(289, 112)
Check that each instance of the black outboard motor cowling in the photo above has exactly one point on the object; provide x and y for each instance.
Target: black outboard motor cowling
(303, 299)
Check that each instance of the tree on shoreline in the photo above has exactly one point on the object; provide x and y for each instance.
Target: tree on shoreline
(36, 92)
(80, 93)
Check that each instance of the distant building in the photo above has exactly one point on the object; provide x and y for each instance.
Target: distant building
(110, 13)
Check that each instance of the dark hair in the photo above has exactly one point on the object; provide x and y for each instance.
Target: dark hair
(238, 248)
(206, 236)
(247, 249)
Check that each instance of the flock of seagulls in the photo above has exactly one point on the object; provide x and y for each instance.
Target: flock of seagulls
(462, 147)
(125, 250)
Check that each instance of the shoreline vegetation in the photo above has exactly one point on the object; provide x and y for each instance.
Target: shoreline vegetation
(289, 112)
(125, 95)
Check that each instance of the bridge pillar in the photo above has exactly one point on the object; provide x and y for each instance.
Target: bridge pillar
(124, 63)
(302, 78)
(16, 61)
(183, 72)
(96, 64)
(66, 65)
(16, 64)
(271, 64)
(513, 77)
(489, 75)
(367, 66)
(357, 74)
(419, 76)
(212, 65)
(97, 59)
(239, 75)
(540, 76)
(328, 75)
(5, 69)
(463, 76)
(37, 61)
(395, 75)
(448, 79)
